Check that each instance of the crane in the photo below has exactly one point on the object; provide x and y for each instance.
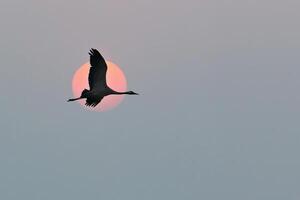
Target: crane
(97, 82)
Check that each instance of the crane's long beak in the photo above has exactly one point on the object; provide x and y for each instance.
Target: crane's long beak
(74, 99)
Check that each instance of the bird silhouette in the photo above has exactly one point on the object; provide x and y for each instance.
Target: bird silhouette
(97, 82)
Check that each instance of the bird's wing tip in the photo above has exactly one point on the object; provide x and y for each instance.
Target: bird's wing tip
(93, 51)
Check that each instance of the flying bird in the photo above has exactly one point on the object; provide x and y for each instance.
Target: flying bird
(97, 82)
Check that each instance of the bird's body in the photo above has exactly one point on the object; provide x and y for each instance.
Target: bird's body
(97, 81)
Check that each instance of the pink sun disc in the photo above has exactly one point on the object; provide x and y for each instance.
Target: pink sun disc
(115, 79)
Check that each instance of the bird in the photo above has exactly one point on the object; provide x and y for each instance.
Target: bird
(97, 82)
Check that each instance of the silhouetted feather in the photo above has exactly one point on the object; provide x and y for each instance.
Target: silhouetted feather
(97, 74)
(92, 102)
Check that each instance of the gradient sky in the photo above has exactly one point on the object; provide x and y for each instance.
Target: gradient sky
(217, 118)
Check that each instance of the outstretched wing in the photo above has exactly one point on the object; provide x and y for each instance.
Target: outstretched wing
(92, 102)
(97, 74)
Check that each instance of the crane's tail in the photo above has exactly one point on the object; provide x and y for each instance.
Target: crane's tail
(84, 92)
(83, 95)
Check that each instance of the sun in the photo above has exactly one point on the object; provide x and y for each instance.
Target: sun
(115, 79)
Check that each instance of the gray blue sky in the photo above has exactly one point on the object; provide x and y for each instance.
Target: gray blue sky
(217, 118)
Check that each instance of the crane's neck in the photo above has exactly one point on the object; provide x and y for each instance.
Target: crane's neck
(127, 92)
(115, 92)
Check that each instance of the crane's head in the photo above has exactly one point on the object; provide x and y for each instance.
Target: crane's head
(132, 93)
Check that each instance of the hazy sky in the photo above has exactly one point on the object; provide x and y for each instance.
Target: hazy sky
(217, 118)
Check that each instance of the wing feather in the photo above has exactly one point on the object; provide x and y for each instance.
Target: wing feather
(97, 74)
(92, 102)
